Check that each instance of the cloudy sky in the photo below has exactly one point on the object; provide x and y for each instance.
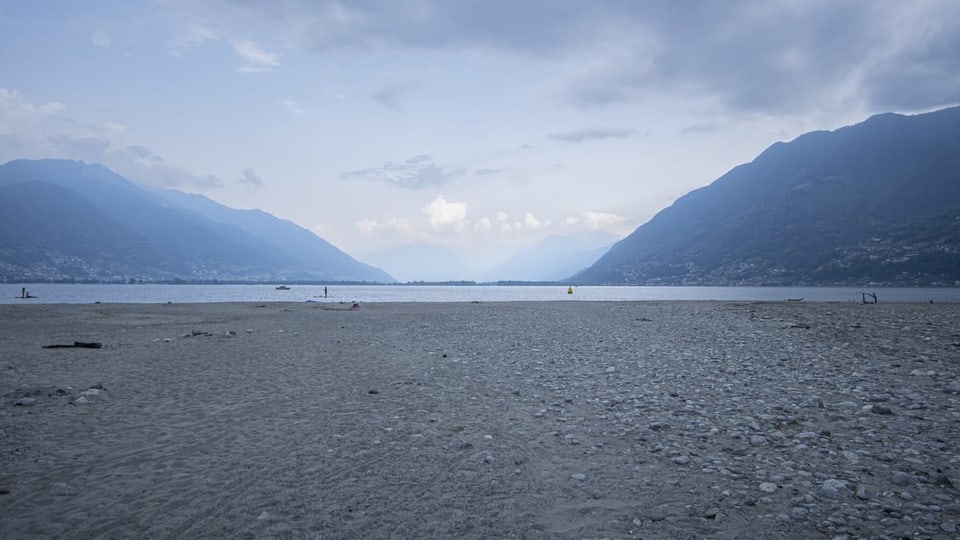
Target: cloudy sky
(478, 126)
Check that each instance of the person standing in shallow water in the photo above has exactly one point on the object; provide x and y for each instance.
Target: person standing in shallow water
(324, 291)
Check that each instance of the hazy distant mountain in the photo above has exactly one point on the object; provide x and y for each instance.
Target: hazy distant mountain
(423, 262)
(555, 258)
(873, 203)
(67, 220)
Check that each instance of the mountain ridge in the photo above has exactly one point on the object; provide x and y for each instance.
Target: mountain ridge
(143, 235)
(787, 216)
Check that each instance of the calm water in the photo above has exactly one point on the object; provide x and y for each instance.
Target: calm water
(82, 294)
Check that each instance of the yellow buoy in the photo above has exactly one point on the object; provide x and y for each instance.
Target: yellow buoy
(570, 290)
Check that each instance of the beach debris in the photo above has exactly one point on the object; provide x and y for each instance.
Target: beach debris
(76, 344)
(204, 333)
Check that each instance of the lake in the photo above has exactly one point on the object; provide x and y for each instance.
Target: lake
(56, 293)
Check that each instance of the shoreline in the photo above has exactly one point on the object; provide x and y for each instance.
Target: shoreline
(519, 419)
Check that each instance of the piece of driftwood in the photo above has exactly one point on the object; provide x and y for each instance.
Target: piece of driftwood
(76, 344)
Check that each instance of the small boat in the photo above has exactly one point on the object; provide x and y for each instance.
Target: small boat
(283, 288)
(794, 299)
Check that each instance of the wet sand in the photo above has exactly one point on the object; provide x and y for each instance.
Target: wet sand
(481, 420)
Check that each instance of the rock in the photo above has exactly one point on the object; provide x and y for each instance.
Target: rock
(26, 402)
(579, 477)
(768, 487)
(881, 409)
(951, 508)
(712, 513)
(901, 478)
(757, 440)
(832, 488)
(682, 460)
(948, 527)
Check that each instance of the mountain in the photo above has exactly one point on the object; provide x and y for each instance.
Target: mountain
(873, 203)
(555, 258)
(292, 240)
(68, 220)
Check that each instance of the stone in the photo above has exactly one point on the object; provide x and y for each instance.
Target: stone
(901, 478)
(26, 402)
(768, 487)
(682, 460)
(579, 477)
(832, 488)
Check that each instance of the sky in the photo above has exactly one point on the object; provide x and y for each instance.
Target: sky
(476, 128)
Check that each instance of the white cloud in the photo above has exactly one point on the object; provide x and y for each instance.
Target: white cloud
(193, 35)
(292, 107)
(100, 39)
(530, 221)
(483, 224)
(255, 58)
(593, 134)
(114, 127)
(43, 130)
(442, 214)
(601, 220)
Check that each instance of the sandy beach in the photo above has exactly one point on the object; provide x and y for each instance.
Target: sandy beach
(480, 420)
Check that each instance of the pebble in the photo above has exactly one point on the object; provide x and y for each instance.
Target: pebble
(682, 460)
(579, 477)
(768, 487)
(26, 402)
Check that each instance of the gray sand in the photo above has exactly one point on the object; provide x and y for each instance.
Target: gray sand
(506, 420)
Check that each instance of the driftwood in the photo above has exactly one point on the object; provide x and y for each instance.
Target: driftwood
(76, 344)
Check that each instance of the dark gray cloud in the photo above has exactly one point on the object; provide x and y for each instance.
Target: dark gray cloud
(767, 56)
(250, 178)
(593, 134)
(417, 172)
